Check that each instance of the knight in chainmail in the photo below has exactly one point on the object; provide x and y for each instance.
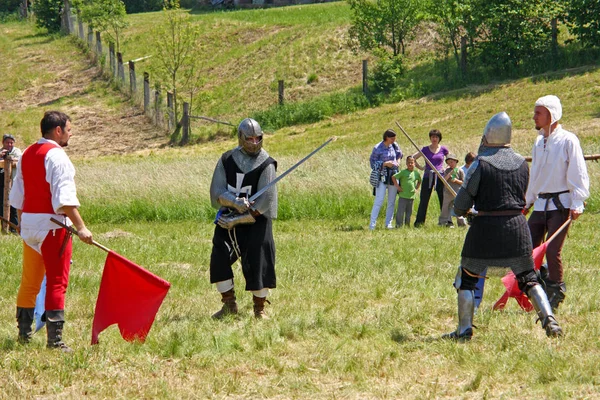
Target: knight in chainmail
(498, 236)
(244, 230)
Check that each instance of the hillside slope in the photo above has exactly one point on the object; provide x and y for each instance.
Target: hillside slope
(44, 73)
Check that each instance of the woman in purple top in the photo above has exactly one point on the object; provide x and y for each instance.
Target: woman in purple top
(385, 157)
(436, 154)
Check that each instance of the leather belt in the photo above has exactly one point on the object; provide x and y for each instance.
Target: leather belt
(501, 213)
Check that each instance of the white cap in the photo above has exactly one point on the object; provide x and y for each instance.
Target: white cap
(552, 104)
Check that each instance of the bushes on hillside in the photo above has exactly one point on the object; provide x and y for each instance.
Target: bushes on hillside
(48, 14)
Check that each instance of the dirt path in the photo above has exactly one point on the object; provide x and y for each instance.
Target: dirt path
(104, 121)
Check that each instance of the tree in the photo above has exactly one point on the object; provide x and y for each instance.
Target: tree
(106, 16)
(455, 25)
(583, 18)
(384, 24)
(10, 6)
(137, 6)
(48, 14)
(177, 51)
(514, 35)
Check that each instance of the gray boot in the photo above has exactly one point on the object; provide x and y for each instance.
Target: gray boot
(544, 311)
(24, 321)
(55, 320)
(466, 309)
(229, 305)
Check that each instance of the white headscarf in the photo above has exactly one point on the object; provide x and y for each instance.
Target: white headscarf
(552, 104)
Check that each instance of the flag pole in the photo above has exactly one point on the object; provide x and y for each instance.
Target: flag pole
(74, 231)
(559, 230)
(15, 227)
(445, 182)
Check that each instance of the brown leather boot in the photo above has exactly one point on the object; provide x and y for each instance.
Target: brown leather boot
(259, 307)
(55, 320)
(24, 321)
(229, 305)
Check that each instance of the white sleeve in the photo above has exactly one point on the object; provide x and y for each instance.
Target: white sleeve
(60, 174)
(16, 192)
(531, 194)
(578, 180)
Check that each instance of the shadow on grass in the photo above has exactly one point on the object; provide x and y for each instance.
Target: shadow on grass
(350, 228)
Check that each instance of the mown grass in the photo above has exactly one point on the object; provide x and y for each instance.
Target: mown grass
(356, 315)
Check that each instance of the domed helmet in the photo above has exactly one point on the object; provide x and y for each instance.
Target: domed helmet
(498, 131)
(250, 136)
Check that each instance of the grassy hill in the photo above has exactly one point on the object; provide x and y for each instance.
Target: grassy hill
(357, 314)
(247, 51)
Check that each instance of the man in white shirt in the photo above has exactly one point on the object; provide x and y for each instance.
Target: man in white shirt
(44, 188)
(558, 186)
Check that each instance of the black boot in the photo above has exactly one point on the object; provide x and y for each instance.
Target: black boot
(24, 321)
(466, 309)
(544, 311)
(55, 320)
(229, 305)
(259, 307)
(556, 294)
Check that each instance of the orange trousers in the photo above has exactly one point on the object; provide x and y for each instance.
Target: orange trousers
(53, 264)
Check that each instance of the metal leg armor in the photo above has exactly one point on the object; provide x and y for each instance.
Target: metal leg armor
(544, 311)
(466, 309)
(479, 289)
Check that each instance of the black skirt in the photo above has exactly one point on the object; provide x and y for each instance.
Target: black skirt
(256, 248)
(497, 237)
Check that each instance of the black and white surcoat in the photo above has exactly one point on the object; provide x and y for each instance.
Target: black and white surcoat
(244, 175)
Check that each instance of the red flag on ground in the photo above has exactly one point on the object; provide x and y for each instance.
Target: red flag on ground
(129, 296)
(510, 280)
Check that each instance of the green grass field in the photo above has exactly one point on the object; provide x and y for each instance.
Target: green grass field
(356, 315)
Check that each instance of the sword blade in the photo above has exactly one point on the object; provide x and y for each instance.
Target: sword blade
(293, 167)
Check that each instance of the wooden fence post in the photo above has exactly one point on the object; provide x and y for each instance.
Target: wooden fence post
(65, 18)
(157, 106)
(7, 181)
(23, 9)
(146, 92)
(120, 70)
(185, 129)
(463, 56)
(132, 78)
(365, 84)
(98, 45)
(280, 90)
(111, 58)
(90, 37)
(80, 26)
(171, 112)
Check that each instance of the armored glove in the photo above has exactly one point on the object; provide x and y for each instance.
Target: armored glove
(231, 220)
(229, 200)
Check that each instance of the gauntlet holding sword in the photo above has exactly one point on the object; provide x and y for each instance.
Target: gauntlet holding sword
(239, 210)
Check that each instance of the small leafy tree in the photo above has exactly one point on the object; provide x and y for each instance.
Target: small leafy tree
(384, 24)
(583, 18)
(106, 16)
(515, 36)
(48, 14)
(454, 23)
(177, 51)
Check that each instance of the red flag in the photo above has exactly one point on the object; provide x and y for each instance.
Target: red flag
(510, 280)
(129, 296)
(512, 288)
